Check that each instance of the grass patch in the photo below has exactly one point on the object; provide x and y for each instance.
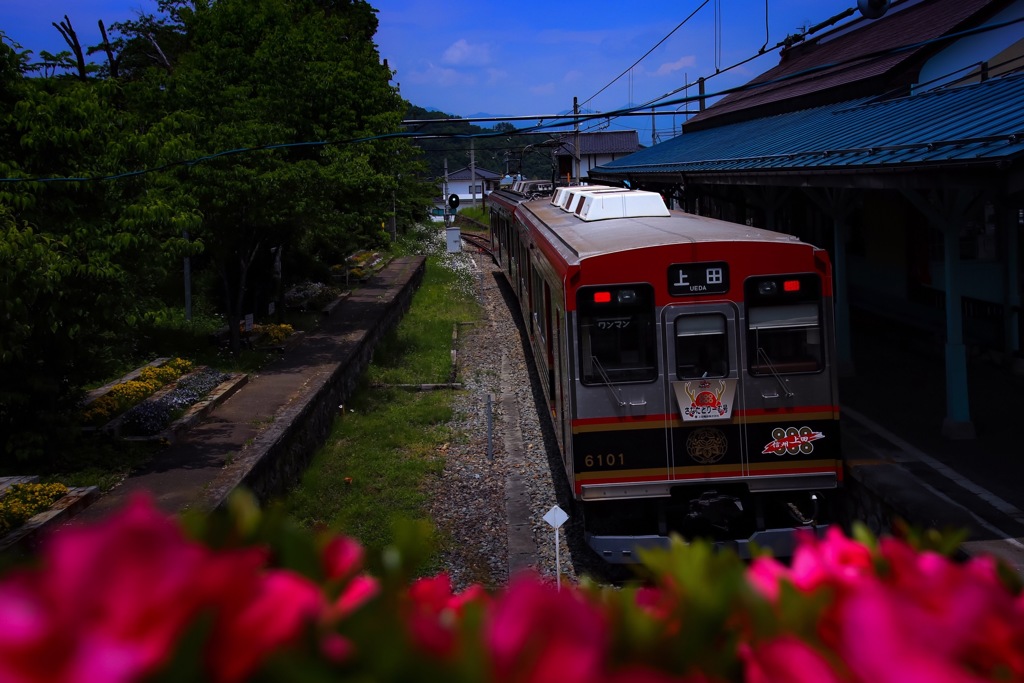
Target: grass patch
(419, 350)
(479, 214)
(375, 466)
(385, 451)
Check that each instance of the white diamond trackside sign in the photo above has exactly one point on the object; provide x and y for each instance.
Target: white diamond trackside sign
(556, 517)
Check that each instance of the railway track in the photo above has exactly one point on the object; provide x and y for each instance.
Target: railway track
(480, 242)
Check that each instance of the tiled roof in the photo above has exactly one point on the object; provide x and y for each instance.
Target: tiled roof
(852, 60)
(481, 173)
(978, 124)
(603, 142)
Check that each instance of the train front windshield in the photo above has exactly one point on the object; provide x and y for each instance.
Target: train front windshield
(784, 330)
(617, 334)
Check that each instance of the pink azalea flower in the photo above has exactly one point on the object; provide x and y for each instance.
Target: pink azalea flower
(109, 601)
(535, 633)
(878, 646)
(834, 560)
(958, 617)
(274, 616)
(641, 674)
(342, 557)
(432, 611)
(357, 592)
(765, 574)
(786, 658)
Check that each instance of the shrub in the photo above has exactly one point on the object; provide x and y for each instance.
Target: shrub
(252, 596)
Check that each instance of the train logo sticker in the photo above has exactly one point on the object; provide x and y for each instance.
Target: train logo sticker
(792, 441)
(706, 446)
(705, 399)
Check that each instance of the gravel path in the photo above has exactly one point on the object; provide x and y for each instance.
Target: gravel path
(492, 500)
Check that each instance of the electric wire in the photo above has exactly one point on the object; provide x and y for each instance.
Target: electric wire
(645, 55)
(554, 121)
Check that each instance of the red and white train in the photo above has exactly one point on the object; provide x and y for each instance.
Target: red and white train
(687, 363)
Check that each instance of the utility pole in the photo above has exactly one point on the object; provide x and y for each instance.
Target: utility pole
(653, 141)
(444, 193)
(188, 282)
(576, 138)
(472, 171)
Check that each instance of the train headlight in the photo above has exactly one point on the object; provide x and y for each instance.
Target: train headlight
(627, 296)
(767, 288)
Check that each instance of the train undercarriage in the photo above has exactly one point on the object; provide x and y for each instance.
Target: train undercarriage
(729, 515)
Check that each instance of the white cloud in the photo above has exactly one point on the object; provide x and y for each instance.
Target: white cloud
(543, 89)
(671, 67)
(572, 76)
(463, 52)
(496, 76)
(443, 77)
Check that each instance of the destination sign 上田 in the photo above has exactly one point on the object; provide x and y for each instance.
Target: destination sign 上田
(693, 279)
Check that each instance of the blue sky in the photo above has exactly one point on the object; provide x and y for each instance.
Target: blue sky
(525, 57)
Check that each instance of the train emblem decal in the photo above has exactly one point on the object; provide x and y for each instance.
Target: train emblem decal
(706, 446)
(705, 399)
(792, 440)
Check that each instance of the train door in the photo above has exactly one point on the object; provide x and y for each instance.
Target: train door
(704, 377)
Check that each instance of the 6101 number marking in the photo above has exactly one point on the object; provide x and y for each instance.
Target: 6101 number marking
(604, 460)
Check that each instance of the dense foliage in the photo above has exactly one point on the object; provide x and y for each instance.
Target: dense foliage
(250, 137)
(495, 148)
(251, 596)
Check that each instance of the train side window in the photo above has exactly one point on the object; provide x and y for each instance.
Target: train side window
(617, 335)
(702, 347)
(538, 304)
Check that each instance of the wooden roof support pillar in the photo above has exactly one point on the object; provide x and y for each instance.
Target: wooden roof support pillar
(838, 204)
(769, 199)
(946, 210)
(1009, 222)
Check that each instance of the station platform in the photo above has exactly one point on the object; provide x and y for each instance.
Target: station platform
(238, 437)
(893, 408)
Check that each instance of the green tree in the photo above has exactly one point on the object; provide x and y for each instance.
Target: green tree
(82, 257)
(300, 81)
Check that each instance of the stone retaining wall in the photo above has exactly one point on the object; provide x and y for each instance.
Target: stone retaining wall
(280, 454)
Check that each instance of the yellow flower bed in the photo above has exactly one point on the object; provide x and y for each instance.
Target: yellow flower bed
(275, 334)
(24, 501)
(126, 394)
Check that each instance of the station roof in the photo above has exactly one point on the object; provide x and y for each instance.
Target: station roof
(858, 58)
(979, 124)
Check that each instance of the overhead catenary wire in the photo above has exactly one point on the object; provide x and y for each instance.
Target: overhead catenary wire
(646, 54)
(555, 120)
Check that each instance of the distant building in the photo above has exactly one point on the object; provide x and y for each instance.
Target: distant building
(472, 188)
(595, 149)
(475, 188)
